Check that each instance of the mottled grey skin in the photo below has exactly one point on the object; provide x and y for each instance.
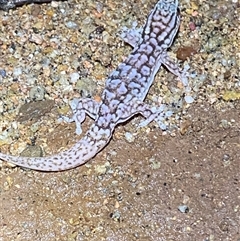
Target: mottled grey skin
(124, 93)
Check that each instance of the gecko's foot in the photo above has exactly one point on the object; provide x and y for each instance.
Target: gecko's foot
(74, 118)
(184, 76)
(158, 114)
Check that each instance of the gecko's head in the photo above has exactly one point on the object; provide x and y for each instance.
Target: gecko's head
(168, 5)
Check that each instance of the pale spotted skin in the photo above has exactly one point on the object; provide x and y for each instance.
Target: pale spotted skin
(124, 93)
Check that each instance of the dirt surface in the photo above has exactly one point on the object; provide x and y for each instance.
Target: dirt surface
(183, 185)
(133, 191)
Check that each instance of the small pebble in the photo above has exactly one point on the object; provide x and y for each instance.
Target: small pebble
(3, 72)
(116, 215)
(36, 38)
(54, 4)
(74, 77)
(189, 99)
(37, 93)
(17, 71)
(183, 208)
(184, 126)
(192, 26)
(32, 151)
(185, 52)
(86, 86)
(226, 157)
(129, 137)
(71, 25)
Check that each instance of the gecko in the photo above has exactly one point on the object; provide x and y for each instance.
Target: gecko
(124, 92)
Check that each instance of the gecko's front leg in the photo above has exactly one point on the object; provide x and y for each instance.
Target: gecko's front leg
(132, 36)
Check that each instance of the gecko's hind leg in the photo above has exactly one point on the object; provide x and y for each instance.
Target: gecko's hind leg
(81, 107)
(151, 113)
(158, 114)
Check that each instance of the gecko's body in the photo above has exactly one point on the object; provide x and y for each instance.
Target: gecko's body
(124, 93)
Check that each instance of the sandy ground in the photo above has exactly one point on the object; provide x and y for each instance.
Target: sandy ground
(134, 191)
(156, 186)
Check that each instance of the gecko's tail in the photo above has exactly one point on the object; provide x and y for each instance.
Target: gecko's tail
(79, 154)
